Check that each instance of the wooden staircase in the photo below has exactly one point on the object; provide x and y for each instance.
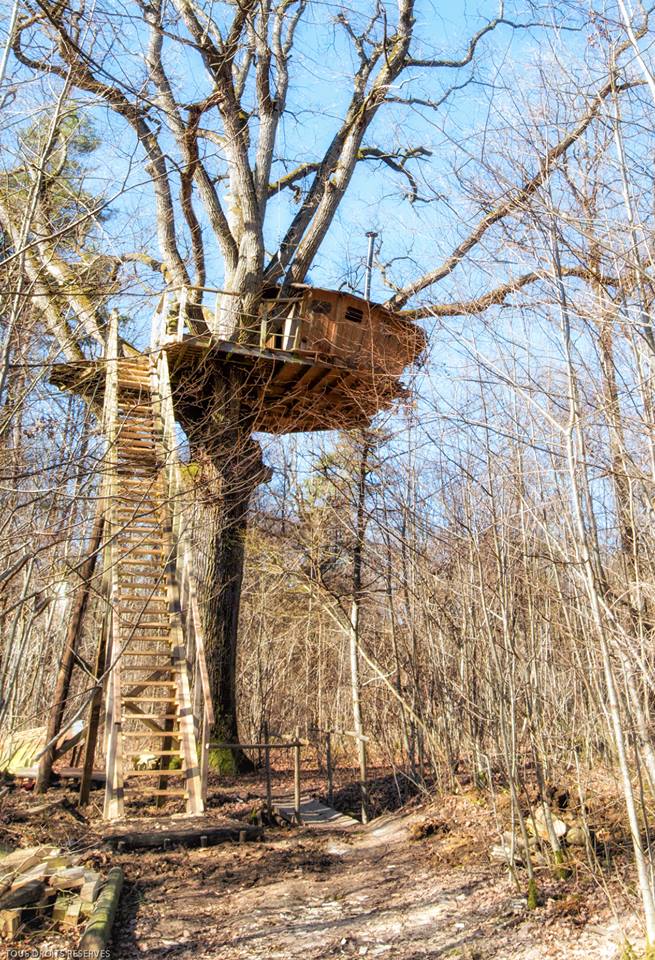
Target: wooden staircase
(148, 700)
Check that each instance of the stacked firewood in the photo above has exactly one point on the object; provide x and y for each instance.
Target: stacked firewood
(45, 885)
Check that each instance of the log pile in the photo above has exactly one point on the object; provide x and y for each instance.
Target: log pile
(44, 886)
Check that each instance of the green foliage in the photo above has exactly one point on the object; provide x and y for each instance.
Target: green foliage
(63, 198)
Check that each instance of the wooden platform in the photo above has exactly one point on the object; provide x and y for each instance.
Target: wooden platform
(287, 392)
(314, 814)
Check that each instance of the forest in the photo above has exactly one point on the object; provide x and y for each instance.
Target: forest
(327, 364)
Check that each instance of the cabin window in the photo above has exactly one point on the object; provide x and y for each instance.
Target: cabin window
(354, 314)
(322, 307)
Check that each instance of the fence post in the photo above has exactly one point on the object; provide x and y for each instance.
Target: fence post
(267, 762)
(296, 778)
(328, 764)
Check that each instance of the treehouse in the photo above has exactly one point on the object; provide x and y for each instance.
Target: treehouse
(314, 359)
(310, 360)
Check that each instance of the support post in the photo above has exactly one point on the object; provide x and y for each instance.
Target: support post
(267, 764)
(296, 778)
(62, 683)
(328, 765)
(94, 713)
(114, 799)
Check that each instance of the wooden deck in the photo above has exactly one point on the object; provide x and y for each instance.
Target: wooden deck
(286, 392)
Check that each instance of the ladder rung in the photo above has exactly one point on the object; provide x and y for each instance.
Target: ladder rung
(150, 639)
(156, 773)
(152, 484)
(145, 734)
(146, 700)
(154, 683)
(133, 553)
(148, 654)
(139, 542)
(139, 472)
(153, 753)
(150, 716)
(139, 515)
(150, 598)
(164, 793)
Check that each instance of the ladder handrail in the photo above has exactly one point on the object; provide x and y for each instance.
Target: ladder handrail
(175, 495)
(114, 766)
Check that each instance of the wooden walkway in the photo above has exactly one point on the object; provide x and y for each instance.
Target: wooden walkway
(314, 814)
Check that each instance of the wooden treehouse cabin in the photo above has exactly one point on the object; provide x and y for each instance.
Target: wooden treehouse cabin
(313, 360)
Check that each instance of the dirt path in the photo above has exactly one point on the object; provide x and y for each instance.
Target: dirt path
(378, 893)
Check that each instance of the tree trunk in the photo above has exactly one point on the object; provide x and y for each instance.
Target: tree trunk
(230, 469)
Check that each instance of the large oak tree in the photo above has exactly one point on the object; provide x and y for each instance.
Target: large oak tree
(209, 96)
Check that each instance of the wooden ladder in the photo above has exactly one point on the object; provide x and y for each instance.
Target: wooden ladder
(148, 699)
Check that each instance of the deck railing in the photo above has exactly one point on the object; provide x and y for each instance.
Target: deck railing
(181, 309)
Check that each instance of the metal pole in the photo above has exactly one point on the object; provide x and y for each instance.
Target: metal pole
(369, 263)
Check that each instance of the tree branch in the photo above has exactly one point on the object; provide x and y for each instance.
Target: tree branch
(510, 205)
(499, 295)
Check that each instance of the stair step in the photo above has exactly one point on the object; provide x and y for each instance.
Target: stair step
(152, 597)
(148, 654)
(141, 551)
(152, 637)
(162, 793)
(132, 443)
(150, 716)
(138, 432)
(146, 700)
(154, 753)
(157, 773)
(143, 734)
(154, 683)
(149, 539)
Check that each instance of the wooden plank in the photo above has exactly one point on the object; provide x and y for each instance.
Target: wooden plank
(63, 773)
(158, 773)
(191, 837)
(314, 814)
(141, 734)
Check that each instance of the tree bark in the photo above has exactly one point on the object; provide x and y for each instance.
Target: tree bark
(230, 469)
